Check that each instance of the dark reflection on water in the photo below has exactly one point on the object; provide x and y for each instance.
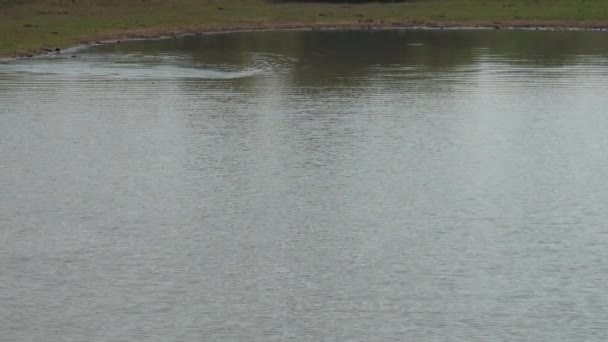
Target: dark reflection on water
(307, 186)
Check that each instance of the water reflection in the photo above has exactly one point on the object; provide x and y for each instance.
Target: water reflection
(306, 185)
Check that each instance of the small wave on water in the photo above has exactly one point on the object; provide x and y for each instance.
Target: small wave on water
(130, 66)
(271, 61)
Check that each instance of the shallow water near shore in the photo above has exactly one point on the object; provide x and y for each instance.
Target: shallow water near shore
(308, 186)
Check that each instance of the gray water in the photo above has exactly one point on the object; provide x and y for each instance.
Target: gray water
(308, 186)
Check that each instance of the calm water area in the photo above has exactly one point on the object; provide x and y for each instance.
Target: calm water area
(389, 185)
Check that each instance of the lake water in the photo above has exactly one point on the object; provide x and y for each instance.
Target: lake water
(308, 186)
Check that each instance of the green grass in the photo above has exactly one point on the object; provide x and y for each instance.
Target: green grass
(29, 26)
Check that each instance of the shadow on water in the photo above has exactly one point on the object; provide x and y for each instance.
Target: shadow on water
(322, 59)
(342, 52)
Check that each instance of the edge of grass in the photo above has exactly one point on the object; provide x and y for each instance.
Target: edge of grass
(41, 26)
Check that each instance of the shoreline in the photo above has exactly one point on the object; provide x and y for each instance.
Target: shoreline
(159, 33)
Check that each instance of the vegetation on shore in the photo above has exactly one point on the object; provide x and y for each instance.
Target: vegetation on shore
(34, 26)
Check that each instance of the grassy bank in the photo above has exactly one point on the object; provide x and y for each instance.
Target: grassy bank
(31, 26)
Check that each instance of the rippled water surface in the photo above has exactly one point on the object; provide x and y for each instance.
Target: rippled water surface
(308, 186)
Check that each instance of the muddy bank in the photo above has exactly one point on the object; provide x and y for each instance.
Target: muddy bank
(152, 33)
